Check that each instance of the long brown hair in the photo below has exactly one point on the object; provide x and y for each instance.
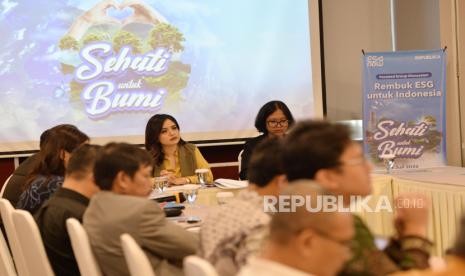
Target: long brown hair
(152, 136)
(59, 138)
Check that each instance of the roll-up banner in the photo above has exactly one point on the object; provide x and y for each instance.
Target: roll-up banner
(404, 108)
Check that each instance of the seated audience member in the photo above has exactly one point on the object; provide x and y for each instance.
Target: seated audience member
(173, 157)
(324, 152)
(273, 120)
(304, 242)
(15, 185)
(454, 260)
(236, 230)
(49, 171)
(69, 201)
(123, 173)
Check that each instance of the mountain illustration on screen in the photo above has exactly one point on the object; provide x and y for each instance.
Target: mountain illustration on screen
(133, 24)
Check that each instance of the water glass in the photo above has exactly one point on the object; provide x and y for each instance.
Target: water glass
(191, 194)
(202, 175)
(388, 160)
(160, 183)
(224, 197)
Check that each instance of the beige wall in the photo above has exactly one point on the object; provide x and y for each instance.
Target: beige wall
(431, 24)
(452, 14)
(349, 27)
(352, 25)
(461, 81)
(417, 24)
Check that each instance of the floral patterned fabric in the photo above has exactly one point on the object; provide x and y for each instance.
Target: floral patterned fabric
(233, 232)
(41, 189)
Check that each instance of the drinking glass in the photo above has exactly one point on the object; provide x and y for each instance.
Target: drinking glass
(160, 184)
(190, 192)
(224, 197)
(388, 160)
(202, 175)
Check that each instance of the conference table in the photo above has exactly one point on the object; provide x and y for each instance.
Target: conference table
(205, 196)
(444, 186)
(380, 222)
(205, 201)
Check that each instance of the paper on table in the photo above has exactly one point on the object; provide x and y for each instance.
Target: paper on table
(183, 187)
(224, 183)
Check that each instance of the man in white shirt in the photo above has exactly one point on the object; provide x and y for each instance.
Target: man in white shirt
(304, 242)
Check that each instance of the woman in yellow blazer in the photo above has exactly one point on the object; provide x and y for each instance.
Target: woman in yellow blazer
(173, 157)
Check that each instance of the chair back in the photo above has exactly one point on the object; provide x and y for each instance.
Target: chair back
(7, 266)
(31, 244)
(239, 160)
(85, 258)
(137, 261)
(6, 210)
(196, 266)
(2, 191)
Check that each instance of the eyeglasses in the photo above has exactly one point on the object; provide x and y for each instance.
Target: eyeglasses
(280, 123)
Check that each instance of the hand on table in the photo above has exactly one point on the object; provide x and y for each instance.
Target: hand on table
(411, 214)
(168, 174)
(172, 179)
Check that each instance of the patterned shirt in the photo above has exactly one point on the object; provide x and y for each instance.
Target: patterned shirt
(233, 232)
(368, 260)
(41, 189)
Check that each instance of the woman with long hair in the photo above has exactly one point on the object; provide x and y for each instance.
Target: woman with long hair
(273, 120)
(173, 157)
(49, 170)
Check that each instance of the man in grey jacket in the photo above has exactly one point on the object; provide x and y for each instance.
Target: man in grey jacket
(123, 173)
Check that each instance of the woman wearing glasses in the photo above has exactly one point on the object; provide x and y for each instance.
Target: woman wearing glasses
(173, 157)
(273, 119)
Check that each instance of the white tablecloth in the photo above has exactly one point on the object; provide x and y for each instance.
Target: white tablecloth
(445, 186)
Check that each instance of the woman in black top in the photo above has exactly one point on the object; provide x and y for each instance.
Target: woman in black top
(273, 119)
(48, 172)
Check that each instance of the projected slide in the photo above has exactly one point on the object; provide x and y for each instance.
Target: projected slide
(108, 66)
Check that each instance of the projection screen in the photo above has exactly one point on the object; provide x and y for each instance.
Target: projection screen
(108, 66)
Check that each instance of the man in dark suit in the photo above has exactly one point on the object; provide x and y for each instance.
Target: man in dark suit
(69, 201)
(123, 173)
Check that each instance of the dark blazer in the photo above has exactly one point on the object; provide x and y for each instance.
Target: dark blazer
(16, 183)
(247, 153)
(51, 219)
(109, 215)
